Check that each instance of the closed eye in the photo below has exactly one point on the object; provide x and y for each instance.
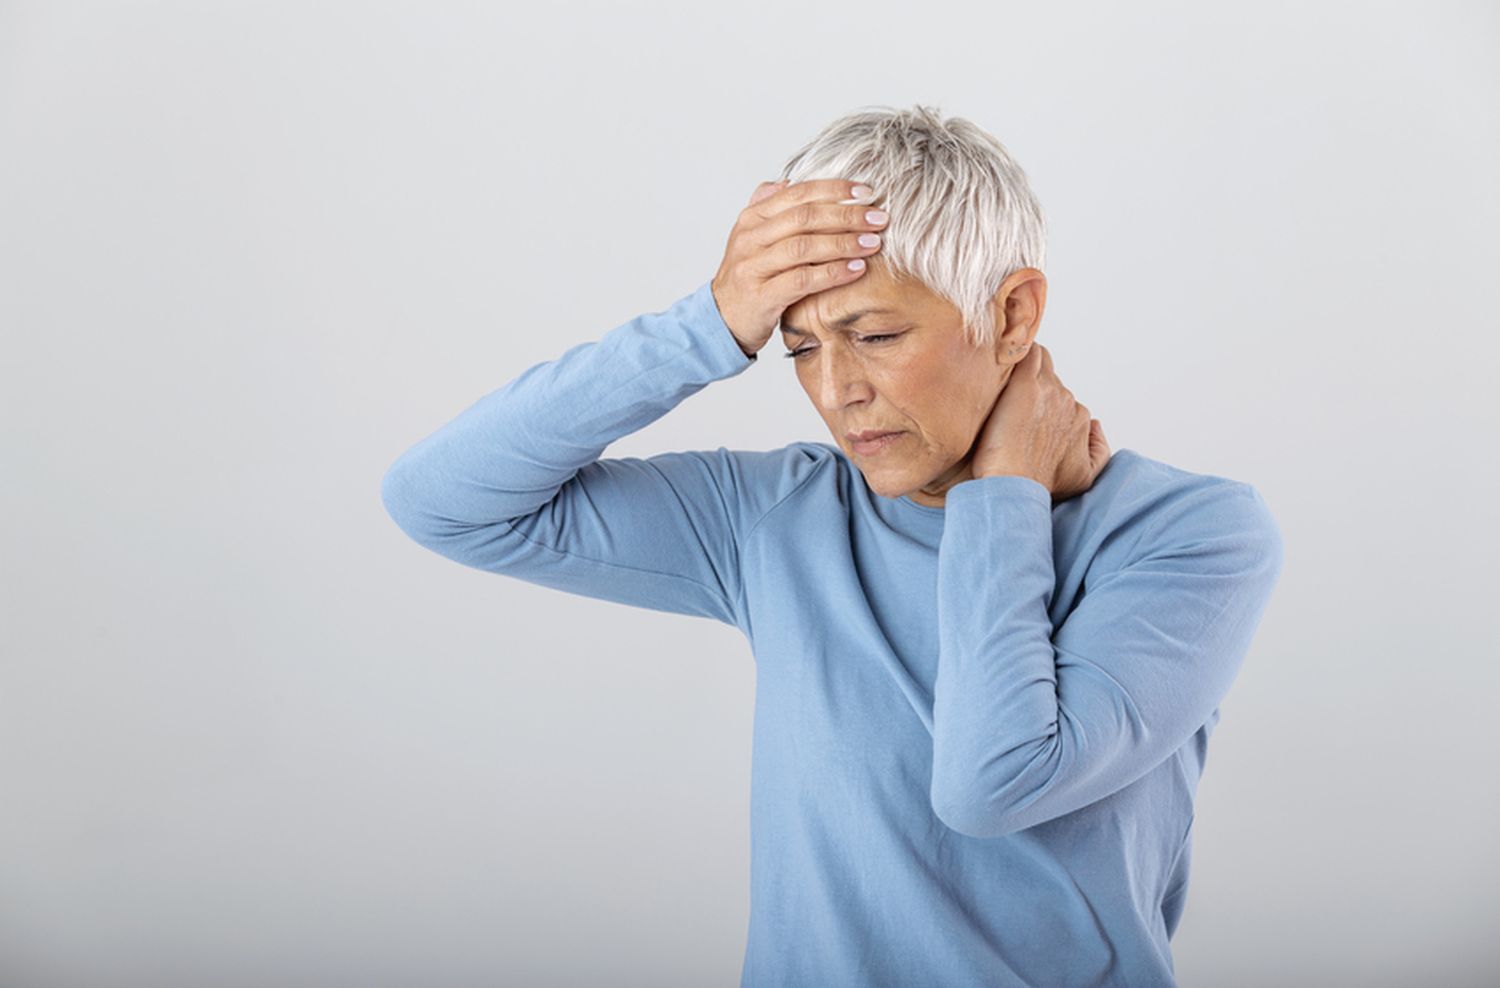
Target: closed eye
(879, 338)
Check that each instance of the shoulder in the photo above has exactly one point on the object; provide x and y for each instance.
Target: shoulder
(789, 464)
(763, 479)
(1155, 504)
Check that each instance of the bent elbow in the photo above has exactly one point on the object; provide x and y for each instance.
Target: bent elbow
(395, 497)
(399, 495)
(970, 817)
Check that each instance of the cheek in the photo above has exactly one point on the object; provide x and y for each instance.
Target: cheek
(950, 408)
(920, 395)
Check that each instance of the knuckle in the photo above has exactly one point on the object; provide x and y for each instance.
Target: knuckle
(803, 213)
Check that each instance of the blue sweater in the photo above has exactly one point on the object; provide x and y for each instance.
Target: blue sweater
(978, 729)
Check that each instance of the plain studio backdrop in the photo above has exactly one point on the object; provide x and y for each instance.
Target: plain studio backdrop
(252, 735)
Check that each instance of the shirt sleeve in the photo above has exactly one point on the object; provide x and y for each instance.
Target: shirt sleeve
(514, 485)
(1032, 722)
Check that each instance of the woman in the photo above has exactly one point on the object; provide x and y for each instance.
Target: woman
(988, 653)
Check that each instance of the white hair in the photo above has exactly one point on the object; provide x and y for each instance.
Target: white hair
(963, 217)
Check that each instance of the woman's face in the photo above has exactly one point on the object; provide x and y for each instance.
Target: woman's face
(908, 369)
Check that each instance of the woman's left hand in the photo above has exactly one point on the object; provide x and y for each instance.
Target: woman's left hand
(1038, 430)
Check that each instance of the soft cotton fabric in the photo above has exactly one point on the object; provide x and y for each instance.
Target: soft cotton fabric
(979, 729)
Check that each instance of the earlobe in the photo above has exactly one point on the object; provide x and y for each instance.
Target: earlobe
(1011, 355)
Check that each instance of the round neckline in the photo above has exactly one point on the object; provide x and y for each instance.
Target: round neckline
(902, 505)
(925, 509)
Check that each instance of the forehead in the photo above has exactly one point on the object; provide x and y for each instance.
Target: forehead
(844, 321)
(842, 308)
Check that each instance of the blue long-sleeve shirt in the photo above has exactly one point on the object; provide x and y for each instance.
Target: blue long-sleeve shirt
(978, 729)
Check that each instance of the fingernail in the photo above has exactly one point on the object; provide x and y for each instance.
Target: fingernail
(861, 191)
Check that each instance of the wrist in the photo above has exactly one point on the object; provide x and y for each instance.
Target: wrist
(1000, 470)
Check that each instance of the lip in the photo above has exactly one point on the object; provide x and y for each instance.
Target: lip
(875, 445)
(865, 435)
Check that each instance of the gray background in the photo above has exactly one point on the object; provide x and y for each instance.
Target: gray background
(252, 735)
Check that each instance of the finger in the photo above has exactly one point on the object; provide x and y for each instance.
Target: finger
(1099, 452)
(840, 190)
(798, 282)
(790, 219)
(766, 189)
(811, 233)
(1032, 361)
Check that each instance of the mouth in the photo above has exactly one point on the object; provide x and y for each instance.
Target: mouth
(873, 445)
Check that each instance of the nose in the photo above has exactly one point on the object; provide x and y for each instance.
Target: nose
(839, 376)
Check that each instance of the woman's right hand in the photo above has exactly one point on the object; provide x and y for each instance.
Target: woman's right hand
(789, 242)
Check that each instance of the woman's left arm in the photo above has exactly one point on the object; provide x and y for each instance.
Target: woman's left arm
(1032, 722)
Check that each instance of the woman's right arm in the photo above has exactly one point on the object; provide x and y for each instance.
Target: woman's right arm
(514, 484)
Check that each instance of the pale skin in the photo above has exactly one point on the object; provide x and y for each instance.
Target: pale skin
(964, 411)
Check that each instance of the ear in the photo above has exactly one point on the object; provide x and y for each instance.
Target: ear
(1002, 349)
(1017, 311)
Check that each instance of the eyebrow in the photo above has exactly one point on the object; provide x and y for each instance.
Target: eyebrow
(841, 323)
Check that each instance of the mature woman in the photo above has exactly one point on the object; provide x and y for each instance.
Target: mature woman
(989, 653)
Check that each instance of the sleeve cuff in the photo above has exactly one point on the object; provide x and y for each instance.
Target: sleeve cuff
(1003, 485)
(709, 326)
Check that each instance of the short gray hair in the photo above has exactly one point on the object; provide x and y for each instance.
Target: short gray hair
(963, 216)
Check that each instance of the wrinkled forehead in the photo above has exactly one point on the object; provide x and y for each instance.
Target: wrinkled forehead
(843, 307)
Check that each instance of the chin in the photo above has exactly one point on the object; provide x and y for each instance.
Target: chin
(885, 486)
